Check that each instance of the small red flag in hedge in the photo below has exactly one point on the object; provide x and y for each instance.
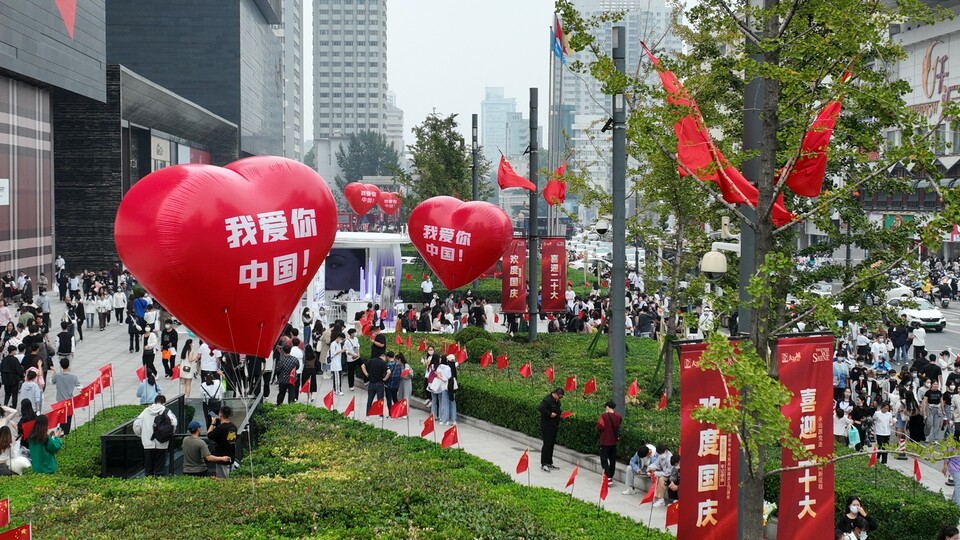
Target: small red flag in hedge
(873, 459)
(486, 359)
(408, 276)
(673, 515)
(663, 402)
(549, 374)
(305, 387)
(398, 339)
(604, 487)
(634, 389)
(524, 462)
(502, 362)
(449, 438)
(573, 476)
(349, 410)
(328, 400)
(916, 469)
(461, 356)
(590, 387)
(566, 414)
(409, 342)
(427, 426)
(423, 345)
(4, 512)
(571, 384)
(525, 371)
(376, 409)
(399, 409)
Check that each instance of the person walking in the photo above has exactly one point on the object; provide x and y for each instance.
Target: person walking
(882, 422)
(211, 389)
(169, 339)
(134, 330)
(377, 374)
(608, 426)
(406, 378)
(549, 425)
(286, 367)
(336, 355)
(11, 374)
(149, 349)
(188, 367)
(148, 390)
(154, 451)
(933, 413)
(306, 318)
(67, 384)
(104, 305)
(119, 301)
(196, 453)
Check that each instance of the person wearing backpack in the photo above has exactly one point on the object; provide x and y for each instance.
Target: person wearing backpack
(155, 426)
(608, 426)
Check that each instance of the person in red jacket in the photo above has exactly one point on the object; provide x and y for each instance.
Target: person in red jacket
(608, 426)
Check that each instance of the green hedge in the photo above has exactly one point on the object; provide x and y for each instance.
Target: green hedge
(319, 476)
(902, 507)
(504, 398)
(80, 455)
(489, 288)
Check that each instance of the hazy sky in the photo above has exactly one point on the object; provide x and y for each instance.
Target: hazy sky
(442, 53)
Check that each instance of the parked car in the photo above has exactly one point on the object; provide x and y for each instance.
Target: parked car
(921, 311)
(899, 290)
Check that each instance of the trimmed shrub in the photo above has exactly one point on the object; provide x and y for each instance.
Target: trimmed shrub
(478, 346)
(80, 455)
(471, 333)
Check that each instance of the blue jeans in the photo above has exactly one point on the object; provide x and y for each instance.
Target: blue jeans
(448, 409)
(956, 487)
(435, 406)
(900, 354)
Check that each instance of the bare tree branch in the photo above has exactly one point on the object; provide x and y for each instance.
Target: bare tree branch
(744, 29)
(787, 18)
(841, 458)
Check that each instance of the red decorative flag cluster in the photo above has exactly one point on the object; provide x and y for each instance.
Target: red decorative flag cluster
(507, 178)
(525, 370)
(449, 438)
(502, 362)
(55, 417)
(328, 400)
(634, 389)
(376, 408)
(590, 387)
(486, 359)
(573, 476)
(524, 462)
(663, 402)
(571, 384)
(549, 374)
(696, 151)
(427, 426)
(399, 409)
(350, 408)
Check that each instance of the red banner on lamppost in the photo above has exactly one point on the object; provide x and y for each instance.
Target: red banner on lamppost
(806, 495)
(514, 286)
(710, 457)
(553, 276)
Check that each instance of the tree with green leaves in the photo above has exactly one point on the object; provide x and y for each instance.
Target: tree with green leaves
(367, 154)
(441, 164)
(310, 158)
(796, 51)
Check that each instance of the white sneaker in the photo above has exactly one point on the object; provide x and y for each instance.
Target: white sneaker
(629, 492)
(658, 503)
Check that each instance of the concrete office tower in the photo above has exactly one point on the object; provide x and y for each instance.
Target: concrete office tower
(504, 129)
(349, 75)
(291, 41)
(394, 125)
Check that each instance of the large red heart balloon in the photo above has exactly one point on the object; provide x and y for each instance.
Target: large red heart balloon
(361, 197)
(229, 251)
(459, 240)
(389, 202)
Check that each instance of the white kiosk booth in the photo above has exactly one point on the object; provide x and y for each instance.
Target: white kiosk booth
(361, 268)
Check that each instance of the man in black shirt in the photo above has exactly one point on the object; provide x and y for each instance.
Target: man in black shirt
(224, 437)
(65, 341)
(549, 423)
(378, 343)
(377, 374)
(168, 342)
(11, 374)
(286, 365)
(478, 315)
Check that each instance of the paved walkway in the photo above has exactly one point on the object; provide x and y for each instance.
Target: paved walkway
(495, 444)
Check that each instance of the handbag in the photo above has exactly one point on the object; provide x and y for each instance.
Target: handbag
(436, 386)
(853, 436)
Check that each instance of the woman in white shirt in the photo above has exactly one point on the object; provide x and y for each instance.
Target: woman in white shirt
(188, 367)
(149, 349)
(351, 345)
(335, 357)
(882, 422)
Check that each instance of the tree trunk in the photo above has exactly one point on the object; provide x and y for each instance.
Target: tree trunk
(672, 320)
(751, 515)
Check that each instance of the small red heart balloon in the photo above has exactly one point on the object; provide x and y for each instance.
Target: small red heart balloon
(228, 250)
(389, 202)
(361, 197)
(459, 240)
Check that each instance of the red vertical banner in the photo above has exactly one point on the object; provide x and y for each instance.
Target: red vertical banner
(514, 277)
(709, 509)
(806, 495)
(553, 276)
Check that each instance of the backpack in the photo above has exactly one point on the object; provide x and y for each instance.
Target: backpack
(162, 427)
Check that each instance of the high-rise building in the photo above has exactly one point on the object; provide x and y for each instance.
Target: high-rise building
(394, 124)
(291, 41)
(224, 55)
(504, 129)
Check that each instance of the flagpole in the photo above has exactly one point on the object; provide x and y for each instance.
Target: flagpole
(408, 417)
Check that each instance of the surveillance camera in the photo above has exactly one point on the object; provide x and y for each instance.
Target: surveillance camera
(602, 226)
(713, 265)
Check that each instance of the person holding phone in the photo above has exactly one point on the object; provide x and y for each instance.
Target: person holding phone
(44, 445)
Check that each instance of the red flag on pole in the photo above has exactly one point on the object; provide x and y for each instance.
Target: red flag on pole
(604, 487)
(496, 318)
(328, 400)
(81, 400)
(409, 342)
(23, 532)
(573, 476)
(305, 387)
(806, 178)
(549, 374)
(96, 386)
(423, 345)
(634, 389)
(449, 438)
(453, 348)
(663, 402)
(66, 405)
(502, 361)
(590, 387)
(4, 512)
(427, 426)
(916, 469)
(508, 178)
(106, 370)
(555, 192)
(406, 372)
(55, 417)
(873, 459)
(142, 373)
(174, 373)
(105, 379)
(673, 515)
(524, 462)
(486, 359)
(399, 409)
(461, 356)
(398, 339)
(648, 498)
(525, 370)
(27, 428)
(376, 409)
(571, 384)
(349, 410)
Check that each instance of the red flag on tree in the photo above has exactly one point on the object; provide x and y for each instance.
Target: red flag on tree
(634, 389)
(486, 359)
(427, 426)
(590, 387)
(174, 374)
(571, 384)
(806, 179)
(502, 361)
(604, 487)
(142, 373)
(525, 370)
(508, 178)
(524, 462)
(449, 438)
(399, 409)
(376, 409)
(398, 339)
(23, 532)
(549, 374)
(873, 459)
(4, 513)
(573, 476)
(916, 469)
(423, 345)
(328, 400)
(663, 402)
(673, 515)
(409, 342)
(349, 410)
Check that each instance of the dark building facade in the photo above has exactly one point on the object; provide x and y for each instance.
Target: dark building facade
(223, 55)
(45, 48)
(105, 148)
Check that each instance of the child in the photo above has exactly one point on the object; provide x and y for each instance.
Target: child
(841, 425)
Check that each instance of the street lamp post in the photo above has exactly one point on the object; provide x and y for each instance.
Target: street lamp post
(617, 336)
(533, 245)
(475, 177)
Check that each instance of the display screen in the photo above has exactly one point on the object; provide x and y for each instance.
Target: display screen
(343, 269)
